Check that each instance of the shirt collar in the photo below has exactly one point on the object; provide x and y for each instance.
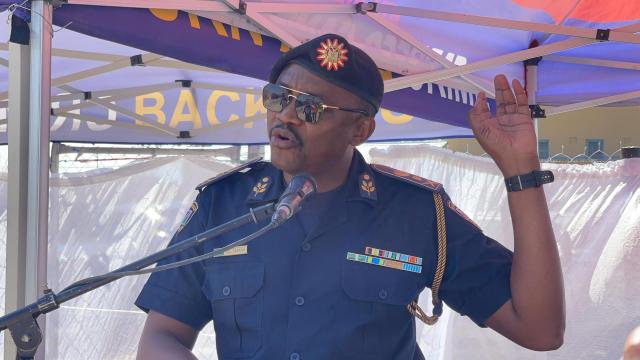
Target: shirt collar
(267, 186)
(360, 184)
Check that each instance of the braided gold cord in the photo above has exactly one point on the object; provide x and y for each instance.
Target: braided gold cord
(413, 307)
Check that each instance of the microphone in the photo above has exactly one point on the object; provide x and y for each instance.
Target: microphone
(300, 187)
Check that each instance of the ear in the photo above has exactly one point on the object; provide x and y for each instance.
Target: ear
(363, 130)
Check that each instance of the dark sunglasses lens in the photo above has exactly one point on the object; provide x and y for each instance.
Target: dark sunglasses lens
(274, 98)
(308, 108)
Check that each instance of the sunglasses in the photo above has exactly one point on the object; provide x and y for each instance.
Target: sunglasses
(308, 107)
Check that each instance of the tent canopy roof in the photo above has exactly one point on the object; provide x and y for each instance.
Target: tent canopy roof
(436, 56)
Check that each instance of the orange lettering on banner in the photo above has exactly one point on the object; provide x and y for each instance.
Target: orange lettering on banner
(155, 109)
(219, 28)
(284, 47)
(194, 21)
(394, 118)
(256, 37)
(252, 107)
(213, 102)
(163, 14)
(192, 115)
(235, 33)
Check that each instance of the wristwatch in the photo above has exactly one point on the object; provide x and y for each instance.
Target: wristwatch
(533, 179)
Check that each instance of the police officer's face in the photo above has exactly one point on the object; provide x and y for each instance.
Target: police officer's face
(297, 145)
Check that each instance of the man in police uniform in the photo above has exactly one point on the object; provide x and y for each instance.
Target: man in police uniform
(334, 282)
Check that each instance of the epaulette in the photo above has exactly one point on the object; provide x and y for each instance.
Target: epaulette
(228, 173)
(406, 177)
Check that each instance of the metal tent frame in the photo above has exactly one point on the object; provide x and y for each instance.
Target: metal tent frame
(28, 224)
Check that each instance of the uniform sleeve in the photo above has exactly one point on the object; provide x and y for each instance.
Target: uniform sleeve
(476, 282)
(177, 292)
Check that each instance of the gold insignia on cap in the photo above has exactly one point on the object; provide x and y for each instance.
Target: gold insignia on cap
(332, 54)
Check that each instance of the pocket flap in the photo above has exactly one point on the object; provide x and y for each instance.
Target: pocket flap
(233, 280)
(366, 282)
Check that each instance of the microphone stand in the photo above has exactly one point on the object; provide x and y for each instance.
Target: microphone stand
(22, 322)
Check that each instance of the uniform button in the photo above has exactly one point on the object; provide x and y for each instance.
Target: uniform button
(294, 356)
(299, 301)
(306, 246)
(382, 294)
(226, 291)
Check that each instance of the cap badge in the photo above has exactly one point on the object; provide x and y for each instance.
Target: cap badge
(332, 54)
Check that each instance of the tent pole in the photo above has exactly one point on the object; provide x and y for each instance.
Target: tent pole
(594, 102)
(55, 158)
(18, 143)
(517, 56)
(531, 69)
(614, 34)
(38, 181)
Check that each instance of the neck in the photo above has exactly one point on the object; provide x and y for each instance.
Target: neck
(331, 176)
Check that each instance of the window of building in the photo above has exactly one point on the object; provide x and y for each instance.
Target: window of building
(593, 146)
(543, 149)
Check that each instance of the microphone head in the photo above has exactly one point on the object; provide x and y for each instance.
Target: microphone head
(300, 187)
(303, 183)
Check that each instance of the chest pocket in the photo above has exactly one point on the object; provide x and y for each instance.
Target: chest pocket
(378, 299)
(234, 290)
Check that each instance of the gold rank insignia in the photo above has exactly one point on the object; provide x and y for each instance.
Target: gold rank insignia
(332, 54)
(260, 188)
(367, 186)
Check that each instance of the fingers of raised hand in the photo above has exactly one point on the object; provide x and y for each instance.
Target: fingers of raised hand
(480, 108)
(521, 98)
(505, 100)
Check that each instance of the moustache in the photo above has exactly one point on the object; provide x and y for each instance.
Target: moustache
(289, 129)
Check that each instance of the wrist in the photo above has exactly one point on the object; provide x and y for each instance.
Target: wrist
(519, 166)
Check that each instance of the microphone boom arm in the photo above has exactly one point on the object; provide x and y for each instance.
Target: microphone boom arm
(22, 323)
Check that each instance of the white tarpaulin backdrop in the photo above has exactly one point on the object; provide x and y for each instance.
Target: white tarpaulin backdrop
(102, 220)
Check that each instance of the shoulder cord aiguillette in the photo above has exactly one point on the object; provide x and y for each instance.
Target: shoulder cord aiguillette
(413, 307)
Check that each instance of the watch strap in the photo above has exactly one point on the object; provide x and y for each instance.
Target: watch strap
(535, 178)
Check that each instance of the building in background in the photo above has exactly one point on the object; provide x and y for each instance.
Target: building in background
(590, 134)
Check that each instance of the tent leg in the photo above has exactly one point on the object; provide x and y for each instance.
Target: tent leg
(54, 166)
(18, 142)
(38, 181)
(531, 68)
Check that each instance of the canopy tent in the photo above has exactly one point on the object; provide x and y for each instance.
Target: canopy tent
(107, 92)
(109, 88)
(587, 51)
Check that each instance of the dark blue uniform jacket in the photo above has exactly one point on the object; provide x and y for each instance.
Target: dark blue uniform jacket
(338, 291)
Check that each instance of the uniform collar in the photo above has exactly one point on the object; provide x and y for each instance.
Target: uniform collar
(360, 184)
(267, 186)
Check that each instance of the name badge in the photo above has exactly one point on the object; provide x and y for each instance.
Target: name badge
(238, 250)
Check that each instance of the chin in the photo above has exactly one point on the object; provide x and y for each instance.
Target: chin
(286, 160)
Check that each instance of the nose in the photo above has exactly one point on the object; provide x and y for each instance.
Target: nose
(288, 114)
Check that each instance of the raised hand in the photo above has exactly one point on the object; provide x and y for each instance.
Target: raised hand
(509, 137)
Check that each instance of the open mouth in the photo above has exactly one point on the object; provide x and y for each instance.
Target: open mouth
(283, 138)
